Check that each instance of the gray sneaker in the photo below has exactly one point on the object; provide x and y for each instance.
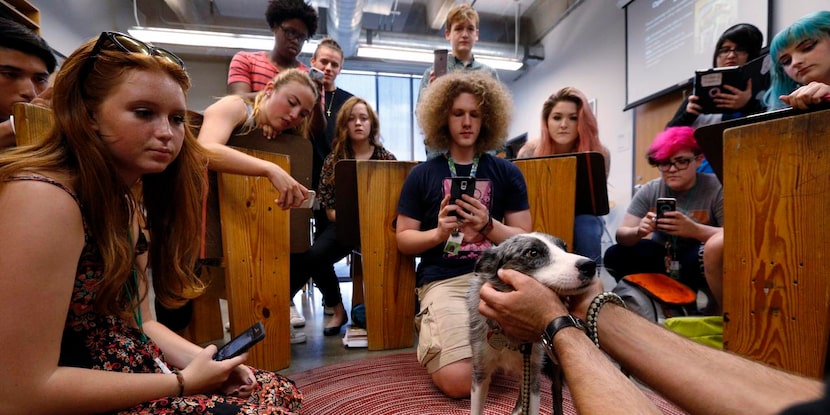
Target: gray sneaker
(297, 319)
(297, 336)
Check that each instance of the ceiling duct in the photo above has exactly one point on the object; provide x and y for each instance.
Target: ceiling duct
(344, 17)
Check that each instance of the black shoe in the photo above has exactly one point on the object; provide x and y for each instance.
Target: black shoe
(333, 331)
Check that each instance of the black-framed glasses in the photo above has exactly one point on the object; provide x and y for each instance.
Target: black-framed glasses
(724, 51)
(292, 34)
(128, 44)
(678, 163)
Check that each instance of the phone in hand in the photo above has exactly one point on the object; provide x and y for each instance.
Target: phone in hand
(439, 65)
(241, 343)
(665, 204)
(309, 202)
(316, 74)
(462, 186)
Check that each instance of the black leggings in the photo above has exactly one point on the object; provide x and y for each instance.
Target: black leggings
(647, 256)
(318, 264)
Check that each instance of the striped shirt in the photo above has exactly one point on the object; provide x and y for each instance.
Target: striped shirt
(254, 69)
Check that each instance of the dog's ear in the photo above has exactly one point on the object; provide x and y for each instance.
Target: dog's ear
(490, 261)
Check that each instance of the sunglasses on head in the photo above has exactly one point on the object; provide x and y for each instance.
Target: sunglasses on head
(128, 44)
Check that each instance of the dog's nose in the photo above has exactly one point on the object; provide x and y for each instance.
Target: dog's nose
(587, 268)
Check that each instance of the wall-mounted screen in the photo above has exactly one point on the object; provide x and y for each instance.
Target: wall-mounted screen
(667, 40)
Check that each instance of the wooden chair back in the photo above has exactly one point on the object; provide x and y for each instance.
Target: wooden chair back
(551, 191)
(31, 123)
(256, 241)
(776, 241)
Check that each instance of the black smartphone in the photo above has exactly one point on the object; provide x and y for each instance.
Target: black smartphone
(665, 204)
(241, 343)
(462, 186)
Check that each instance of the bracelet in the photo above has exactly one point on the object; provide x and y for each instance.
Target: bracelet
(487, 227)
(180, 379)
(593, 313)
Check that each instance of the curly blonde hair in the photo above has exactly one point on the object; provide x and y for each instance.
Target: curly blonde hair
(495, 103)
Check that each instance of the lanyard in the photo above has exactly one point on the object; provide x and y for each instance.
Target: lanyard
(451, 164)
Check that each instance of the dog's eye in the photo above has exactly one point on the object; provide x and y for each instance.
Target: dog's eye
(531, 253)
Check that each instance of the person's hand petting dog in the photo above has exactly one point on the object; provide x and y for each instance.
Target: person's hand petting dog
(525, 312)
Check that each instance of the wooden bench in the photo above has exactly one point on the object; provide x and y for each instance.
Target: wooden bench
(777, 241)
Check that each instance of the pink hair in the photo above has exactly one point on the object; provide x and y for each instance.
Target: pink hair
(586, 128)
(670, 141)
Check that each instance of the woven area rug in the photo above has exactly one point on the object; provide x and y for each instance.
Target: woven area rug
(397, 384)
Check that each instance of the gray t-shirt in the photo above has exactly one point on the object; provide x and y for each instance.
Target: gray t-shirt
(703, 203)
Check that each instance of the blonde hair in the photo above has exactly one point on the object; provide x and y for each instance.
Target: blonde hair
(285, 77)
(461, 13)
(495, 105)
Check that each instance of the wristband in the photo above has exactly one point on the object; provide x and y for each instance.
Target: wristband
(180, 379)
(593, 313)
(557, 324)
(487, 227)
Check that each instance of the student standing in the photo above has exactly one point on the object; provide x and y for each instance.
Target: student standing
(465, 115)
(121, 177)
(293, 22)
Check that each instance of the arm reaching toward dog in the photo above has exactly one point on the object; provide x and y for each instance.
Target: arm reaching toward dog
(677, 368)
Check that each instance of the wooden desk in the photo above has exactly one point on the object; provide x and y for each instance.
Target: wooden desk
(388, 276)
(551, 191)
(31, 123)
(256, 241)
(777, 242)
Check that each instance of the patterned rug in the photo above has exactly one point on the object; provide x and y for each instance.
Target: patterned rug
(397, 384)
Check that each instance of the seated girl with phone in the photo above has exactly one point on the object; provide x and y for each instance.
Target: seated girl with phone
(357, 136)
(115, 189)
(670, 244)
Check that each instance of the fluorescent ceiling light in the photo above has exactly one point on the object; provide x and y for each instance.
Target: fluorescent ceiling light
(210, 39)
(419, 55)
(257, 42)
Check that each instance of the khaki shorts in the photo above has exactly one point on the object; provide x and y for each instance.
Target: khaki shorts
(443, 322)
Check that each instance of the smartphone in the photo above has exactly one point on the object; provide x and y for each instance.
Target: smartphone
(316, 74)
(240, 344)
(308, 203)
(439, 65)
(462, 186)
(665, 204)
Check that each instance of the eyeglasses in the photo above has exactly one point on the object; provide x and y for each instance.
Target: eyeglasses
(723, 52)
(125, 43)
(679, 164)
(292, 34)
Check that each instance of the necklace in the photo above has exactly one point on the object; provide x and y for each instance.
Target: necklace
(331, 102)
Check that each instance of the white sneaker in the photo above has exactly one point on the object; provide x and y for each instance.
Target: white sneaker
(297, 336)
(297, 319)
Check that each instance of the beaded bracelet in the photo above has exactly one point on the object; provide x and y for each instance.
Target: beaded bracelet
(593, 313)
(180, 379)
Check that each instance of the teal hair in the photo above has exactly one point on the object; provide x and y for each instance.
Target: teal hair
(813, 26)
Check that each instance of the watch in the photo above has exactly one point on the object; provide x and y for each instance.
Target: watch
(557, 324)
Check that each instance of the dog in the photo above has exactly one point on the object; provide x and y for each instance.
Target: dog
(543, 257)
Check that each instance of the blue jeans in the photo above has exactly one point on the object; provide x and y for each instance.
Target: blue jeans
(588, 236)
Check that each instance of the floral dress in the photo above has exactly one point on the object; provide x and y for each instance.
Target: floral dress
(107, 342)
